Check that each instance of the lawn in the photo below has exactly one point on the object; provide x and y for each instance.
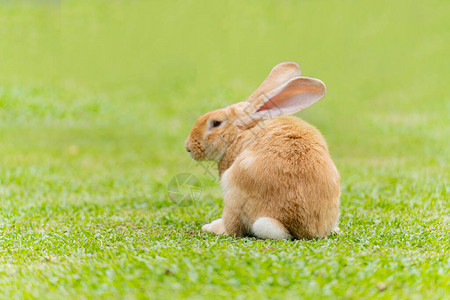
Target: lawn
(97, 98)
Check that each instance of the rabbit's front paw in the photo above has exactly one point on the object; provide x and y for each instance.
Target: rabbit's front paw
(216, 227)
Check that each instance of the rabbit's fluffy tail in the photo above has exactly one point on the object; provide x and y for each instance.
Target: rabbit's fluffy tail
(270, 229)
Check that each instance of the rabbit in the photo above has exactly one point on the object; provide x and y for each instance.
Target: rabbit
(277, 176)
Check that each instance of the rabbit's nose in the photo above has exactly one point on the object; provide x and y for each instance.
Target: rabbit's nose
(186, 145)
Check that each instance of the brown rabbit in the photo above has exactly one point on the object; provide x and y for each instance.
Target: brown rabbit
(278, 179)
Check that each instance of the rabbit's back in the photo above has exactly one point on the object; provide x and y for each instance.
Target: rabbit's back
(285, 172)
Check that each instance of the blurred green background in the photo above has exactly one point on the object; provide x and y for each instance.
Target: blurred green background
(97, 98)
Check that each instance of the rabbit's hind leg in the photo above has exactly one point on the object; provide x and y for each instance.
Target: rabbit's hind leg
(270, 229)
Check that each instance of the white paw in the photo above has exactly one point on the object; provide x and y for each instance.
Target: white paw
(207, 228)
(336, 230)
(215, 226)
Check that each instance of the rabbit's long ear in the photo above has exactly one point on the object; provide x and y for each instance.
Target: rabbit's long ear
(279, 75)
(289, 98)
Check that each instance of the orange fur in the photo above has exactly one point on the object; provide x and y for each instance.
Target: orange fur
(278, 168)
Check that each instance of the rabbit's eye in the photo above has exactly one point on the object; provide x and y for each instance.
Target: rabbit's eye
(216, 123)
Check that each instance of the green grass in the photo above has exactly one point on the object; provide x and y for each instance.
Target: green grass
(96, 100)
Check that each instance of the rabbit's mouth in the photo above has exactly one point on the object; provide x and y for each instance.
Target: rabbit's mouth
(196, 150)
(197, 156)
